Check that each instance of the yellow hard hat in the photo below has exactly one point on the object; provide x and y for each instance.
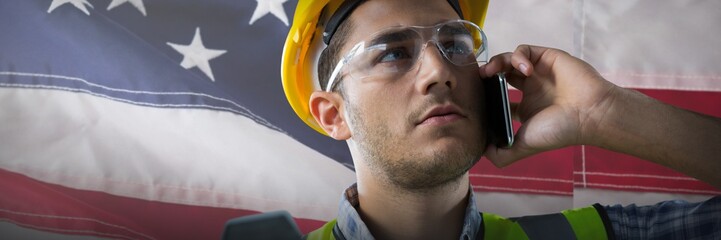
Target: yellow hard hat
(305, 43)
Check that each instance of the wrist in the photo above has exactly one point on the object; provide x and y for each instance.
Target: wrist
(602, 118)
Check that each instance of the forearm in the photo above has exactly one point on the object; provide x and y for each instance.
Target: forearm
(641, 126)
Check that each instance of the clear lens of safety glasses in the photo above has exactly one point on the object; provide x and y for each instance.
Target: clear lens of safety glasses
(394, 51)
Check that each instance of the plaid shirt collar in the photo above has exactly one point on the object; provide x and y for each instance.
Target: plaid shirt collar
(352, 226)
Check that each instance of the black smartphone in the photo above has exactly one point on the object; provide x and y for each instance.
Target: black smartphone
(277, 225)
(498, 111)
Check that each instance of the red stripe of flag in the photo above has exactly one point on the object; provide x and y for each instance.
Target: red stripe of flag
(33, 204)
(546, 173)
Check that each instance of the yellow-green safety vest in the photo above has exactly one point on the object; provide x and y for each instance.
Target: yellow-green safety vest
(580, 223)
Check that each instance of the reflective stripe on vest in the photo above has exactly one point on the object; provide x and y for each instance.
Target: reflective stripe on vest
(580, 223)
(588, 222)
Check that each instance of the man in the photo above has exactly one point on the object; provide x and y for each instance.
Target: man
(404, 90)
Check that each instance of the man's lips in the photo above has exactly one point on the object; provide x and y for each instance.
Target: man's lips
(441, 115)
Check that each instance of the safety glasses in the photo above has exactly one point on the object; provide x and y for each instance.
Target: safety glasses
(392, 52)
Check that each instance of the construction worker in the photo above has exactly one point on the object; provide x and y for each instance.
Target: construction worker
(400, 82)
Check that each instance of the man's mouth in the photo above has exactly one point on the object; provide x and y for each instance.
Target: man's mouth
(441, 115)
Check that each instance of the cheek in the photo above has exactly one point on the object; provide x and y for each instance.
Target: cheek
(471, 93)
(469, 83)
(381, 109)
(388, 110)
(397, 102)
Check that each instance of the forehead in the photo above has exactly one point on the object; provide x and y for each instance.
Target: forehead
(375, 15)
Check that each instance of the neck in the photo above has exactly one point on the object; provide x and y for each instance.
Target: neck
(394, 213)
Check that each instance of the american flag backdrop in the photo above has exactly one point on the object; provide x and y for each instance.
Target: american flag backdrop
(162, 119)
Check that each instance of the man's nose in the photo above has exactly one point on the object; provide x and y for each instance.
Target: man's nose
(434, 73)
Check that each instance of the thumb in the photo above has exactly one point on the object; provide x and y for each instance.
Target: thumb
(502, 157)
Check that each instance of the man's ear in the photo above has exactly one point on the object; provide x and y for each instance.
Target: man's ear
(326, 108)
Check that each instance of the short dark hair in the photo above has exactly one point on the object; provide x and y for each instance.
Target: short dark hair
(331, 55)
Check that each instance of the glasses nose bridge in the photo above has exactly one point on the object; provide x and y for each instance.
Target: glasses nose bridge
(431, 43)
(441, 55)
(429, 34)
(436, 57)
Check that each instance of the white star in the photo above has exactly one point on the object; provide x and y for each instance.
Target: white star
(269, 6)
(136, 3)
(196, 55)
(80, 4)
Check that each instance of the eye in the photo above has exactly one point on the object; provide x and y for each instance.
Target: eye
(392, 55)
(457, 47)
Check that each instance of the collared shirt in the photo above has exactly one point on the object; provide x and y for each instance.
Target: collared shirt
(353, 227)
(665, 220)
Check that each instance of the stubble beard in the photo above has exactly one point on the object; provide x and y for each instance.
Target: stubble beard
(408, 169)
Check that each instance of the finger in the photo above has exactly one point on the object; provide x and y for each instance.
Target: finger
(498, 63)
(521, 59)
(502, 63)
(535, 55)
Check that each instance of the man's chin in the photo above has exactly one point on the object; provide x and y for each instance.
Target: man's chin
(435, 167)
(453, 143)
(463, 130)
(449, 149)
(459, 148)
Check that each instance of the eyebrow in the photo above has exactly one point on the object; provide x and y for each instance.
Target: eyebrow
(394, 36)
(454, 30)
